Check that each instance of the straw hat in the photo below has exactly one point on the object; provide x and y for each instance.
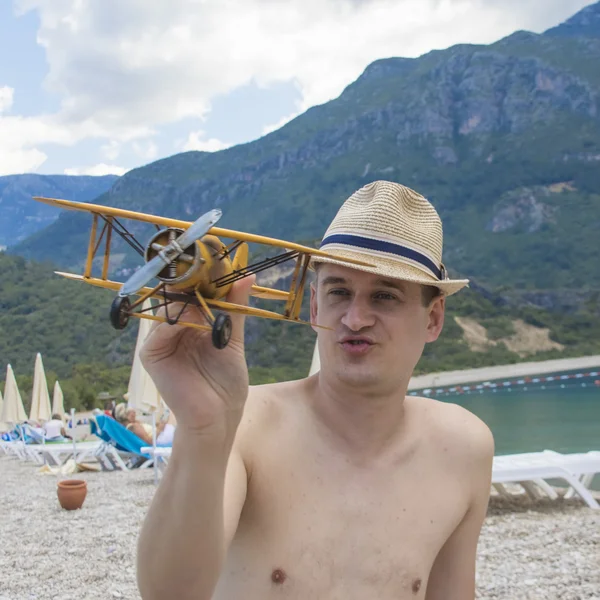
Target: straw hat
(394, 229)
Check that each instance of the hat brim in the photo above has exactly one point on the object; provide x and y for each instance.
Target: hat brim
(389, 268)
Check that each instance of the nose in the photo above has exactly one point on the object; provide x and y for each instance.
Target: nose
(358, 315)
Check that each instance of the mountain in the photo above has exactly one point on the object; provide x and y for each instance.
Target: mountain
(504, 139)
(586, 23)
(21, 216)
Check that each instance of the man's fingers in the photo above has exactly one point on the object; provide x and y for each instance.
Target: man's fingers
(167, 332)
(240, 294)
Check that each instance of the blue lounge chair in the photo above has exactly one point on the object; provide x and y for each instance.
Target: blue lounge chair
(120, 445)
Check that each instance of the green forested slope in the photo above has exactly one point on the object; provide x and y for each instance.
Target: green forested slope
(68, 323)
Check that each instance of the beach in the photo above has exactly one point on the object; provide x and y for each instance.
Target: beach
(543, 551)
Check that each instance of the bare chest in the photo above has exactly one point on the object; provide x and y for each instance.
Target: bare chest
(313, 527)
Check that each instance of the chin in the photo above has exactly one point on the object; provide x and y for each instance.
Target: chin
(359, 377)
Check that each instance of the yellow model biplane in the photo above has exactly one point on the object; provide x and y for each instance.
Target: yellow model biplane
(193, 268)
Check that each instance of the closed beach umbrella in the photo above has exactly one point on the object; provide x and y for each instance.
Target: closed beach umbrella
(58, 407)
(40, 401)
(142, 393)
(13, 410)
(3, 426)
(316, 363)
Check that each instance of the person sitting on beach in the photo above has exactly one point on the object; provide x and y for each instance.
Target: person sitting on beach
(54, 430)
(128, 418)
(340, 484)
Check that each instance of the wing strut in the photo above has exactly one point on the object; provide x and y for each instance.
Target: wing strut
(256, 268)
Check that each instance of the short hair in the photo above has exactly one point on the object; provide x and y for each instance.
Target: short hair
(57, 417)
(429, 293)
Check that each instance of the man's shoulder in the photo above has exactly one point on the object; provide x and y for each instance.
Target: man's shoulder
(460, 431)
(270, 395)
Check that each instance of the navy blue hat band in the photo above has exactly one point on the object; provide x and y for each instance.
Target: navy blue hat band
(382, 246)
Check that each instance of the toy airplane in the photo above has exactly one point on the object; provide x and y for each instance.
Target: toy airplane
(193, 268)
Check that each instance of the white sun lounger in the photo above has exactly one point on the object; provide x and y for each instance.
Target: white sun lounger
(160, 456)
(111, 458)
(23, 451)
(161, 452)
(585, 466)
(533, 469)
(14, 448)
(58, 453)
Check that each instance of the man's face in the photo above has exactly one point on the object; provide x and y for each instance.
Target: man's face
(379, 326)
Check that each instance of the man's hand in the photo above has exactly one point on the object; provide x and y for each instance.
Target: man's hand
(204, 386)
(182, 545)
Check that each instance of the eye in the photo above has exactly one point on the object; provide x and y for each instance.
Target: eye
(385, 296)
(338, 292)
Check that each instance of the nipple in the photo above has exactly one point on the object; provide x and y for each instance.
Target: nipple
(278, 576)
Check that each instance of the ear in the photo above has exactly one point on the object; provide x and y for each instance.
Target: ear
(313, 305)
(435, 322)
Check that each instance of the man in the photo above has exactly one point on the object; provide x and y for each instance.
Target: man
(337, 486)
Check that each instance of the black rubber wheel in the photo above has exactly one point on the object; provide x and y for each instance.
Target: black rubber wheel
(221, 332)
(119, 312)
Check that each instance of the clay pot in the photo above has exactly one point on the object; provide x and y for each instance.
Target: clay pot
(72, 493)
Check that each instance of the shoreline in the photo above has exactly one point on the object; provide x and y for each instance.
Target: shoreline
(449, 378)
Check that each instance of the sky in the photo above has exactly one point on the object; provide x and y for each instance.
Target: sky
(90, 87)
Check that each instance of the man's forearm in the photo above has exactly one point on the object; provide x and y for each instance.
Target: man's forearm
(181, 545)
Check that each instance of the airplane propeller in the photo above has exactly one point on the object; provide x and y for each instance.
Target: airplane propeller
(170, 252)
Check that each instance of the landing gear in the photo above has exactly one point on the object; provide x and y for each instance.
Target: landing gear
(119, 312)
(221, 332)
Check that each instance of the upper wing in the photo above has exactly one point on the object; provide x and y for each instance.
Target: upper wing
(109, 211)
(166, 222)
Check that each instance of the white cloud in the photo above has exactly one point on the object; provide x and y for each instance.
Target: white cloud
(144, 63)
(111, 150)
(20, 160)
(21, 138)
(194, 142)
(123, 69)
(100, 169)
(147, 150)
(6, 98)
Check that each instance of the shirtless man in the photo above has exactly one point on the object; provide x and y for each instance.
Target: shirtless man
(334, 487)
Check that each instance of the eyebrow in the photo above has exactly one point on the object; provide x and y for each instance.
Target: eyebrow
(333, 280)
(397, 285)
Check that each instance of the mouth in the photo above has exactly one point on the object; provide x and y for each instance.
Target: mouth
(356, 345)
